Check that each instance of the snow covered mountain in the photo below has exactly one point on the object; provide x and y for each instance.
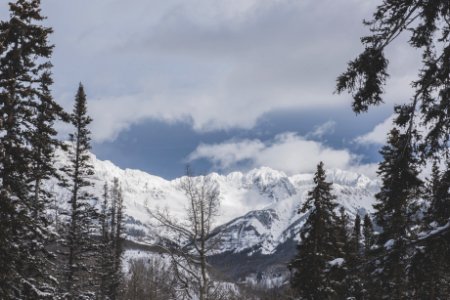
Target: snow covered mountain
(258, 214)
(263, 230)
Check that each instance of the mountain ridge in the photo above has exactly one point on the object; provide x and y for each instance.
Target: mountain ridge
(258, 208)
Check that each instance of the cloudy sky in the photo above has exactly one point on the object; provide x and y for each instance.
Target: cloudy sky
(221, 84)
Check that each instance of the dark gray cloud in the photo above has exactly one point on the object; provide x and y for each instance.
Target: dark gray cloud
(216, 68)
(215, 64)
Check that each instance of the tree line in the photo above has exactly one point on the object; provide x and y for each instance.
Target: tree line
(43, 257)
(408, 257)
(401, 251)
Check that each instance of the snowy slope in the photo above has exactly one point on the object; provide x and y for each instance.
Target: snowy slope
(265, 229)
(258, 208)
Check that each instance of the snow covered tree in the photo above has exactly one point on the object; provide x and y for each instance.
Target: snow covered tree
(27, 144)
(81, 214)
(104, 258)
(343, 232)
(428, 26)
(354, 280)
(116, 239)
(340, 277)
(364, 267)
(110, 248)
(356, 235)
(396, 213)
(430, 275)
(318, 248)
(367, 234)
(438, 196)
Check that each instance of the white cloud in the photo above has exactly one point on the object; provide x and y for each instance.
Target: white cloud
(378, 134)
(370, 170)
(229, 153)
(323, 129)
(217, 64)
(288, 152)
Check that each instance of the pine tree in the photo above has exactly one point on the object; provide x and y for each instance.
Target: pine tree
(116, 233)
(82, 214)
(318, 246)
(356, 235)
(396, 213)
(27, 140)
(339, 273)
(110, 248)
(427, 23)
(430, 275)
(105, 259)
(368, 234)
(354, 261)
(343, 231)
(439, 197)
(428, 27)
(366, 263)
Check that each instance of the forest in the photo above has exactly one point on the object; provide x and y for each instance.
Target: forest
(77, 250)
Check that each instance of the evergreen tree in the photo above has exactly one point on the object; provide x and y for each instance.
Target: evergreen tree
(430, 275)
(438, 197)
(27, 140)
(366, 263)
(105, 259)
(368, 234)
(355, 273)
(318, 247)
(110, 247)
(339, 273)
(117, 232)
(396, 214)
(428, 24)
(356, 236)
(81, 215)
(428, 27)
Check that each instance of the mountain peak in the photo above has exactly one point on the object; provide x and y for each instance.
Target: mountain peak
(266, 172)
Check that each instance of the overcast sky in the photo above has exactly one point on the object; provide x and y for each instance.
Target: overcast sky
(221, 84)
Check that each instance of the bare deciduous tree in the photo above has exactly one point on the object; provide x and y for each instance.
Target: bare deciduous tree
(189, 258)
(148, 279)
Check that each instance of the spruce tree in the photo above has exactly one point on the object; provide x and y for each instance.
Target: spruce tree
(396, 213)
(116, 233)
(356, 235)
(104, 257)
(354, 261)
(81, 215)
(430, 275)
(111, 246)
(318, 246)
(428, 26)
(438, 196)
(339, 273)
(366, 266)
(367, 234)
(426, 23)
(27, 143)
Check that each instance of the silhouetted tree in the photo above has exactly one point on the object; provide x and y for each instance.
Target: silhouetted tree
(27, 144)
(318, 250)
(82, 215)
(430, 275)
(427, 23)
(396, 213)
